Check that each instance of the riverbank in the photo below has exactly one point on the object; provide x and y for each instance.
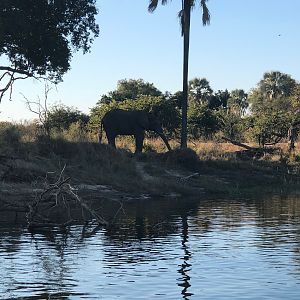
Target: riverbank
(216, 169)
(58, 182)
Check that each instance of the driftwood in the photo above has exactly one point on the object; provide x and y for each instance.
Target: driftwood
(53, 206)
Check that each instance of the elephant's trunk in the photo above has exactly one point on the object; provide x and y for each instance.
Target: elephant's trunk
(163, 137)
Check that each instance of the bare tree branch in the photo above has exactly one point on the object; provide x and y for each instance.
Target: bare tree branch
(10, 76)
(41, 110)
(64, 197)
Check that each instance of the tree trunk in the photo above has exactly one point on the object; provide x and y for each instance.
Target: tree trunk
(186, 42)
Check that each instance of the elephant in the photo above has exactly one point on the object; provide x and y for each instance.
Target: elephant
(130, 122)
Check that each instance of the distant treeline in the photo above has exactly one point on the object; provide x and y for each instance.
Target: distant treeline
(264, 115)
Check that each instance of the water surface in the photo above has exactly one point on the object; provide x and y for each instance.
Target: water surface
(161, 249)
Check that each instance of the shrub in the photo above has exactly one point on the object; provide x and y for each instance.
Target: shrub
(203, 121)
(185, 158)
(10, 136)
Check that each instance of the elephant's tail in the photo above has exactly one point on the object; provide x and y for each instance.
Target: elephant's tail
(100, 132)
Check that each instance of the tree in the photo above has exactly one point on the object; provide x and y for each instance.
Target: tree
(276, 84)
(60, 117)
(131, 89)
(38, 37)
(274, 90)
(184, 15)
(199, 90)
(238, 102)
(203, 121)
(274, 107)
(176, 98)
(218, 99)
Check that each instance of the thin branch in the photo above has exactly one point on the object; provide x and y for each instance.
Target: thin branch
(12, 75)
(14, 70)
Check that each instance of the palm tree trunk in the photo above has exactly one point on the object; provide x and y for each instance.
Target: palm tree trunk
(186, 45)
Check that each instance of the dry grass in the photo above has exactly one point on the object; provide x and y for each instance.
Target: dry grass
(91, 163)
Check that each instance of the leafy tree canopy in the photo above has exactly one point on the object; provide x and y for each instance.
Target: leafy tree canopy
(199, 90)
(38, 36)
(60, 117)
(203, 121)
(274, 107)
(273, 90)
(131, 89)
(238, 102)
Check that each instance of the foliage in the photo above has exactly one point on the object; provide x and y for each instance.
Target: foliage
(268, 127)
(130, 89)
(76, 132)
(295, 104)
(60, 117)
(9, 133)
(191, 4)
(218, 100)
(273, 106)
(176, 98)
(199, 91)
(273, 90)
(238, 102)
(184, 158)
(203, 121)
(233, 126)
(276, 85)
(38, 36)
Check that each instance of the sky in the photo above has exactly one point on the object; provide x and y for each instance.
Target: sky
(245, 39)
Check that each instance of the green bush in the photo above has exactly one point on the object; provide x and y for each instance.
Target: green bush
(185, 158)
(203, 122)
(268, 126)
(60, 117)
(10, 136)
(233, 126)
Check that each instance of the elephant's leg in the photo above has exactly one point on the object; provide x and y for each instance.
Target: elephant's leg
(139, 140)
(111, 140)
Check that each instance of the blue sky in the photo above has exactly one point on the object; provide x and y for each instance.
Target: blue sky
(245, 39)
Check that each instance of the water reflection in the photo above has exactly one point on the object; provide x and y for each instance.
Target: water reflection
(185, 266)
(162, 249)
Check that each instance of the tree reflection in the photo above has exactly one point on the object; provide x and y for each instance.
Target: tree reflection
(185, 266)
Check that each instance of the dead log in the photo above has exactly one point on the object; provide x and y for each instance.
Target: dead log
(251, 152)
(239, 144)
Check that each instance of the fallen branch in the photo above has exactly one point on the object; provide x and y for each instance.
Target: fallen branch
(240, 144)
(252, 151)
(65, 198)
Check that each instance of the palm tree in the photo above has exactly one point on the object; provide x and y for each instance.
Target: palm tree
(185, 17)
(276, 84)
(199, 90)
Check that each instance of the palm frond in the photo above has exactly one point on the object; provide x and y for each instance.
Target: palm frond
(152, 5)
(205, 14)
(181, 20)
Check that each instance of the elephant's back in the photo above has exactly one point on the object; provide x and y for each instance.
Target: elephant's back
(120, 121)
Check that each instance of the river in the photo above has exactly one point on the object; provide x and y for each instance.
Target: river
(161, 249)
